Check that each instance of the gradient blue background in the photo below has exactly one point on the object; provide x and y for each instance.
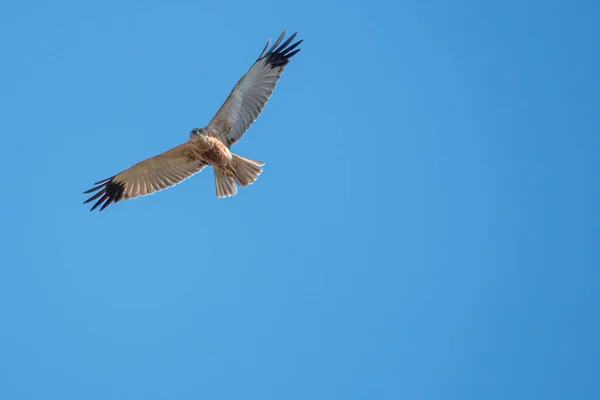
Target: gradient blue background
(427, 225)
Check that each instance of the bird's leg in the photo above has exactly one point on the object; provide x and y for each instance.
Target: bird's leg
(230, 171)
(227, 170)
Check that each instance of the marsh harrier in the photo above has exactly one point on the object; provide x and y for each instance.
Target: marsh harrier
(209, 145)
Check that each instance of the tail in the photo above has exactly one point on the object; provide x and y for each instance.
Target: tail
(246, 172)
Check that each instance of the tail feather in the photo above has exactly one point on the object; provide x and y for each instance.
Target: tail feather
(246, 173)
(225, 184)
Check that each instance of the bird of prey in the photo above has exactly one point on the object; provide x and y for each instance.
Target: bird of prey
(209, 145)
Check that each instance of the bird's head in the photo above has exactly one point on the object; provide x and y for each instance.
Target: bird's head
(196, 132)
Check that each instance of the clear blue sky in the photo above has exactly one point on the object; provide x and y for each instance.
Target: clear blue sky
(426, 227)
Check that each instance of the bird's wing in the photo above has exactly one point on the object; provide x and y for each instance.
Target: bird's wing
(147, 177)
(250, 95)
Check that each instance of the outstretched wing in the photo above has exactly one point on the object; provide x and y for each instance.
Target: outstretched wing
(249, 97)
(147, 177)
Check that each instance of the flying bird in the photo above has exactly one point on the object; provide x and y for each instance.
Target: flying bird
(211, 145)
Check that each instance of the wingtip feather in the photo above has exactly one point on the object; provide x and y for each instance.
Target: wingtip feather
(280, 53)
(109, 192)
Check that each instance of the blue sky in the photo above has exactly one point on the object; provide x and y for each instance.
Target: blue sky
(425, 227)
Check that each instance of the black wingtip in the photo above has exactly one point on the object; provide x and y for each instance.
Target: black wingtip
(280, 55)
(108, 190)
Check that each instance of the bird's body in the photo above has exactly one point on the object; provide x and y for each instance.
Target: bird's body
(212, 151)
(209, 146)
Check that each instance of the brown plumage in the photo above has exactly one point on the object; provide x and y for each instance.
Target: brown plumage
(210, 145)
